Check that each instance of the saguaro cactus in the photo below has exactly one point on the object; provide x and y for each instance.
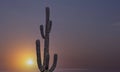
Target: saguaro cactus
(44, 67)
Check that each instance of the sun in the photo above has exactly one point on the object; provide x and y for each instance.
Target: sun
(29, 62)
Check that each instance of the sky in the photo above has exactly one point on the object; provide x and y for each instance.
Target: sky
(85, 33)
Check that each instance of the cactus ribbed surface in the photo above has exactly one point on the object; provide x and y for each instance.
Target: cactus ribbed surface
(44, 67)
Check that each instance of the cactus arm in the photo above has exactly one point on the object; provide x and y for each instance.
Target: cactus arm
(39, 55)
(49, 26)
(54, 63)
(42, 31)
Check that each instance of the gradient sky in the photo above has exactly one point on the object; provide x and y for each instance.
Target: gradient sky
(85, 33)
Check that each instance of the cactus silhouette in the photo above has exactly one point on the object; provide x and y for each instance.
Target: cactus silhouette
(44, 67)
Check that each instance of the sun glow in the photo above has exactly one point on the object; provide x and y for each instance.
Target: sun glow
(30, 62)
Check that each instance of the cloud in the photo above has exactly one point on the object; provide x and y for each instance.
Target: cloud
(116, 24)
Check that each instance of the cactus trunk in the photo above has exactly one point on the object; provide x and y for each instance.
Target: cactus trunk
(44, 67)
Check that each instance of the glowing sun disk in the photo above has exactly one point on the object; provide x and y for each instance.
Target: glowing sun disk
(30, 62)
